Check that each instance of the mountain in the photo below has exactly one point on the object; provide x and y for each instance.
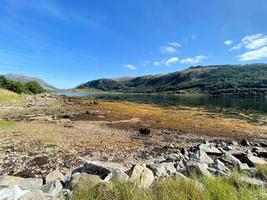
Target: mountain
(248, 79)
(25, 79)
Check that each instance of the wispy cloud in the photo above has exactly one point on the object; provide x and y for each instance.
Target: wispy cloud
(170, 48)
(254, 54)
(193, 60)
(130, 66)
(251, 42)
(171, 61)
(228, 42)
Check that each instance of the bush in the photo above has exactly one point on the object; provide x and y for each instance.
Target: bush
(31, 87)
(34, 87)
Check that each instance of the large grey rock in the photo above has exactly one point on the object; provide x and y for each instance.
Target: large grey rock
(12, 193)
(262, 154)
(38, 195)
(118, 176)
(10, 180)
(201, 156)
(162, 169)
(142, 176)
(102, 169)
(31, 184)
(54, 175)
(252, 181)
(174, 157)
(231, 160)
(253, 161)
(197, 168)
(209, 149)
(219, 165)
(81, 178)
(53, 188)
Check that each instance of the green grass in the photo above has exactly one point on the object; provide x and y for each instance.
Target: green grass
(6, 124)
(263, 171)
(209, 188)
(8, 97)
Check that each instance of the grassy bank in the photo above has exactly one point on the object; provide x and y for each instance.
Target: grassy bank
(212, 188)
(7, 97)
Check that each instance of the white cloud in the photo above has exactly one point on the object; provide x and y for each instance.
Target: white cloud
(168, 50)
(193, 60)
(228, 42)
(157, 63)
(174, 44)
(171, 61)
(254, 54)
(251, 42)
(129, 66)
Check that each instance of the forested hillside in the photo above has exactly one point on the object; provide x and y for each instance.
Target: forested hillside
(217, 79)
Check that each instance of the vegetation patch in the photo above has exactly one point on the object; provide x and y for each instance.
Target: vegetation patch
(204, 188)
(7, 97)
(6, 124)
(31, 87)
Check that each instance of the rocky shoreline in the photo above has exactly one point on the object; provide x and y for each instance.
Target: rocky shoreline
(210, 158)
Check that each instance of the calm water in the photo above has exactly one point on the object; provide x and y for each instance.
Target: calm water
(211, 102)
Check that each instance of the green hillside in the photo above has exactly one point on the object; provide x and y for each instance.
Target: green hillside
(217, 79)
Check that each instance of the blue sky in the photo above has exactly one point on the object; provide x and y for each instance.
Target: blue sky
(68, 42)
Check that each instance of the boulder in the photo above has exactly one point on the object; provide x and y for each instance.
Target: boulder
(252, 181)
(10, 180)
(198, 168)
(231, 160)
(245, 142)
(80, 178)
(31, 184)
(12, 192)
(219, 165)
(263, 144)
(209, 149)
(102, 169)
(142, 176)
(144, 131)
(262, 154)
(118, 176)
(162, 169)
(53, 188)
(253, 161)
(201, 156)
(38, 195)
(53, 176)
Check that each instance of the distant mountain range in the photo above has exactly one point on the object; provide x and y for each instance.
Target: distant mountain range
(25, 79)
(248, 79)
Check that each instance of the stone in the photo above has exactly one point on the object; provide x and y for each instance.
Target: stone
(38, 195)
(53, 188)
(235, 143)
(142, 176)
(31, 184)
(102, 169)
(10, 180)
(162, 169)
(263, 144)
(12, 193)
(144, 131)
(208, 149)
(54, 175)
(174, 157)
(80, 178)
(253, 161)
(218, 165)
(118, 176)
(231, 160)
(198, 168)
(201, 156)
(252, 181)
(245, 142)
(262, 154)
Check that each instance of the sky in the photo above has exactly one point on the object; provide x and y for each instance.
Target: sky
(68, 42)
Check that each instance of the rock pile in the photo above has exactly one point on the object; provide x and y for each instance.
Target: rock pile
(217, 158)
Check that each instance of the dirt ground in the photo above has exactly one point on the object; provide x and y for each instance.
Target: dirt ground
(49, 132)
